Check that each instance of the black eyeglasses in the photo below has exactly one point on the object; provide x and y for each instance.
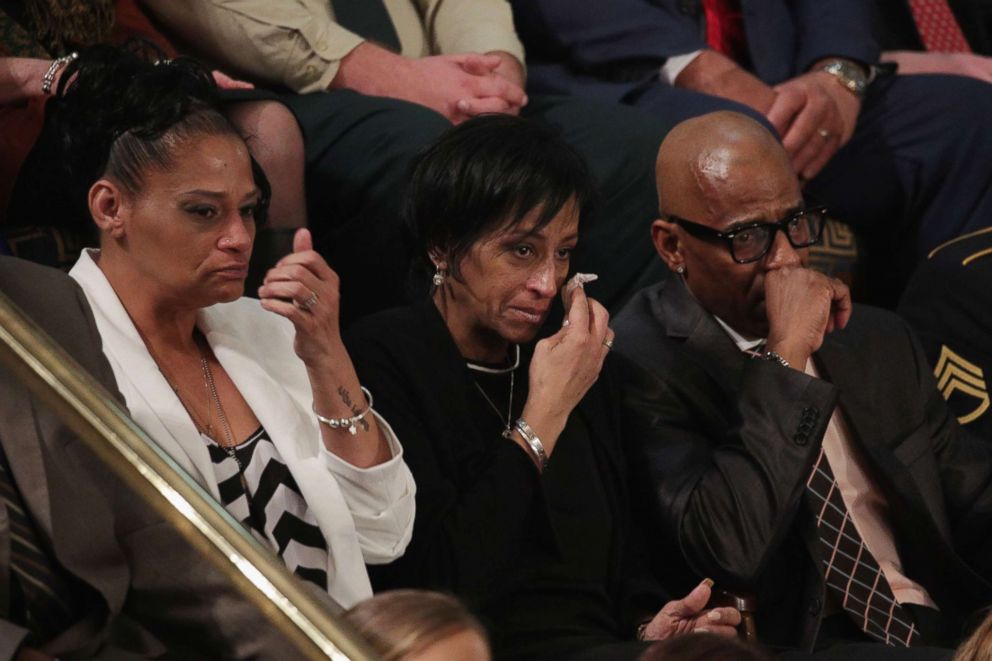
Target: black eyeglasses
(750, 242)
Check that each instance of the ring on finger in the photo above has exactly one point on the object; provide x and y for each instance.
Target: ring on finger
(824, 133)
(608, 343)
(307, 304)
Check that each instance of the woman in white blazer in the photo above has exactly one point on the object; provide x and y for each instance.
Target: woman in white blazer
(256, 399)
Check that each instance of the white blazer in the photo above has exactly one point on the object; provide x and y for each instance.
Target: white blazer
(365, 514)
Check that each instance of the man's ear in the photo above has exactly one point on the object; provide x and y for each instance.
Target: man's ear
(666, 241)
(109, 207)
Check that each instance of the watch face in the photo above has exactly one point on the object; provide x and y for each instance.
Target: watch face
(849, 75)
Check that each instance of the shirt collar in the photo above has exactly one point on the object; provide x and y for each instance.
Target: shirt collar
(743, 343)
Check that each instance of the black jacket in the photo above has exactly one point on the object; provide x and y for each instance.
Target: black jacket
(730, 441)
(476, 497)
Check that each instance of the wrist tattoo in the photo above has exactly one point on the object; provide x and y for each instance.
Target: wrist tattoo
(355, 410)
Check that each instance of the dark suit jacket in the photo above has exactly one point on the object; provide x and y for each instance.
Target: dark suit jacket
(476, 498)
(143, 591)
(730, 441)
(608, 49)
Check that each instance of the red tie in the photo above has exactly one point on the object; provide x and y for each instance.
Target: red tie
(725, 29)
(939, 30)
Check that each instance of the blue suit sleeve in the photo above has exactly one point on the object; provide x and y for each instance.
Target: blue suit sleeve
(839, 28)
(602, 32)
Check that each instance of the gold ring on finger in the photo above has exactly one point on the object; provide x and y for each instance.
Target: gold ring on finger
(608, 343)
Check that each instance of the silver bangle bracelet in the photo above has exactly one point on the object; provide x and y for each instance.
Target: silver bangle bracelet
(533, 442)
(56, 66)
(346, 423)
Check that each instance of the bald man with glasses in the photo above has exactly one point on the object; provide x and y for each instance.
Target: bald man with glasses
(794, 445)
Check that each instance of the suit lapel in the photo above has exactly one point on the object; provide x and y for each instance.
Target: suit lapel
(838, 362)
(706, 342)
(151, 401)
(271, 403)
(24, 454)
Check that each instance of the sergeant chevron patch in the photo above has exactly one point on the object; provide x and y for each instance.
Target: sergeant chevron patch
(955, 373)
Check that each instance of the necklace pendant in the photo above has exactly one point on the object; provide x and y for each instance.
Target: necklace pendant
(507, 433)
(352, 429)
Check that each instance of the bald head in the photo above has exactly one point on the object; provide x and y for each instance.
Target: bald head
(724, 172)
(708, 159)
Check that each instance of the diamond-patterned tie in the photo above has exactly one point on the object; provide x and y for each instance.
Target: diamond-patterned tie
(368, 19)
(938, 28)
(851, 572)
(46, 594)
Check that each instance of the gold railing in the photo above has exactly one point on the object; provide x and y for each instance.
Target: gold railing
(55, 379)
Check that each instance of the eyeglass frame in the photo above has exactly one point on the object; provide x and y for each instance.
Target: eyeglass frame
(704, 231)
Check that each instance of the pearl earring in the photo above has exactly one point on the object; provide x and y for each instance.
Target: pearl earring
(680, 269)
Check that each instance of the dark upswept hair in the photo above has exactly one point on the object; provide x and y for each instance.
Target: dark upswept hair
(118, 112)
(485, 175)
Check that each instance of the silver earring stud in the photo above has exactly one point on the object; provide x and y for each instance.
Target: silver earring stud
(438, 278)
(680, 270)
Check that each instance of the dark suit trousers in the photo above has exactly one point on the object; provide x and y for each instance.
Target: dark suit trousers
(359, 151)
(917, 172)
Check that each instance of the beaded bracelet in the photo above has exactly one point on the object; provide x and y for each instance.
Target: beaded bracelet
(533, 442)
(56, 66)
(347, 423)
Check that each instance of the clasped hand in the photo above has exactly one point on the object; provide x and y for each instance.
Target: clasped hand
(815, 116)
(463, 86)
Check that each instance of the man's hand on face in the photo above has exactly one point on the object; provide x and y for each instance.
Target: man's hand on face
(457, 86)
(802, 306)
(815, 116)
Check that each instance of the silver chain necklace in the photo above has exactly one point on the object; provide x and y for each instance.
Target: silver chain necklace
(507, 427)
(512, 369)
(231, 451)
(208, 377)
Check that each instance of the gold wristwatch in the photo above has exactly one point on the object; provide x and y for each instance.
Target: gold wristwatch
(851, 76)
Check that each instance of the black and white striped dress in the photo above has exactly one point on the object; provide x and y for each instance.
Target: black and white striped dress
(273, 507)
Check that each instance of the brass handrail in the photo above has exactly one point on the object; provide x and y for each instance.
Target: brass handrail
(85, 406)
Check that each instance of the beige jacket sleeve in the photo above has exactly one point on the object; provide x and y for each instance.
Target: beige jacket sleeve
(294, 43)
(464, 26)
(297, 44)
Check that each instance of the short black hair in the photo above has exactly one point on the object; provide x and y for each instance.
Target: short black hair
(486, 175)
(117, 112)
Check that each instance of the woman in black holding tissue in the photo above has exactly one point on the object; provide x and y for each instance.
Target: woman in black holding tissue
(515, 444)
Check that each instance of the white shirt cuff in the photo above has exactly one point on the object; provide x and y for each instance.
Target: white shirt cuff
(672, 67)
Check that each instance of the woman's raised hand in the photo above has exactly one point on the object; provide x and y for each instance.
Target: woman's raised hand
(304, 289)
(566, 364)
